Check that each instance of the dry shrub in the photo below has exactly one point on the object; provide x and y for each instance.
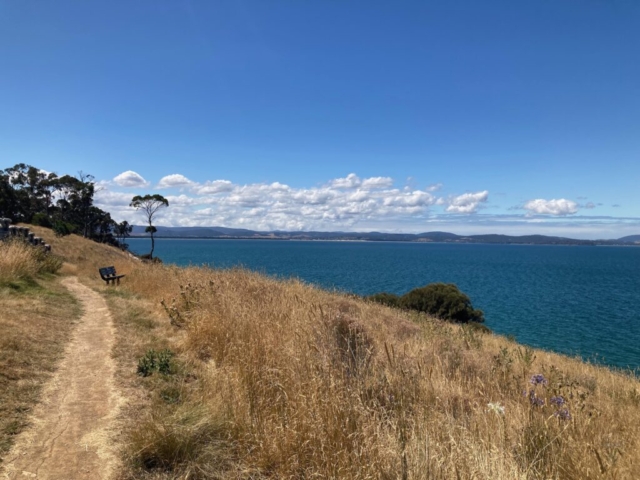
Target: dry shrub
(17, 261)
(191, 441)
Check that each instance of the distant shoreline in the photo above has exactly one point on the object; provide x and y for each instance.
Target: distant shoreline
(225, 233)
(576, 243)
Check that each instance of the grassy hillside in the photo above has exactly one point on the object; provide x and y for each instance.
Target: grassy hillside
(231, 374)
(289, 381)
(84, 257)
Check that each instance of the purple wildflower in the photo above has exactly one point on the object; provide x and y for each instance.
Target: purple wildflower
(538, 379)
(563, 414)
(558, 401)
(535, 400)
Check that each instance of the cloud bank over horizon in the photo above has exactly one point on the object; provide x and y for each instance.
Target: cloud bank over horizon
(349, 203)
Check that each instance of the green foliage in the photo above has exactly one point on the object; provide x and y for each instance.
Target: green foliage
(442, 300)
(41, 219)
(62, 229)
(388, 299)
(30, 195)
(153, 361)
(164, 361)
(122, 230)
(153, 202)
(147, 364)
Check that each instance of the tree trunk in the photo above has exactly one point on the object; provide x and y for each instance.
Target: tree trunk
(152, 244)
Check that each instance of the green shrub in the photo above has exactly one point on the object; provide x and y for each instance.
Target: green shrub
(164, 361)
(147, 364)
(41, 219)
(153, 361)
(388, 299)
(444, 301)
(62, 229)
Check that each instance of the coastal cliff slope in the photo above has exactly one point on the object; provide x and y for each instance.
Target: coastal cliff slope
(237, 375)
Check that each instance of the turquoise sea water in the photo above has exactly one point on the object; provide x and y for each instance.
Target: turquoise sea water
(571, 299)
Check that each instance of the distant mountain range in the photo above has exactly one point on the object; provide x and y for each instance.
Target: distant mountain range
(630, 239)
(240, 233)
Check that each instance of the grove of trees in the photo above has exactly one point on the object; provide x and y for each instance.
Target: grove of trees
(63, 203)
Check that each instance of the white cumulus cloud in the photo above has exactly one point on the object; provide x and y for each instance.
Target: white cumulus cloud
(560, 206)
(174, 180)
(130, 179)
(467, 202)
(377, 182)
(348, 203)
(350, 181)
(217, 186)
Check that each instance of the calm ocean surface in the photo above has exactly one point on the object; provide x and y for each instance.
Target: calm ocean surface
(575, 300)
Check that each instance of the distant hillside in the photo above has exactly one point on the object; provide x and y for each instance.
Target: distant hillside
(194, 231)
(444, 237)
(630, 239)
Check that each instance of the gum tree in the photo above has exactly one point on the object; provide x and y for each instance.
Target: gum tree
(149, 204)
(122, 230)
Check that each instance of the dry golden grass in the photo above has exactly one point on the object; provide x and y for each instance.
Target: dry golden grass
(16, 262)
(83, 257)
(282, 380)
(21, 261)
(277, 379)
(37, 316)
(36, 320)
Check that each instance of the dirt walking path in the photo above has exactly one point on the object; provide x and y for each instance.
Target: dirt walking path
(70, 434)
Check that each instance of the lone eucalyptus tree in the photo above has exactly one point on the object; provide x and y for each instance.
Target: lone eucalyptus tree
(149, 204)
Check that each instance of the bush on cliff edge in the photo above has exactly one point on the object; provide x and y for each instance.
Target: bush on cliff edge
(442, 300)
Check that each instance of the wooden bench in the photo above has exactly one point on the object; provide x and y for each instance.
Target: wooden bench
(109, 274)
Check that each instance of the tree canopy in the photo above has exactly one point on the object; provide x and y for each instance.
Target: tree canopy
(64, 203)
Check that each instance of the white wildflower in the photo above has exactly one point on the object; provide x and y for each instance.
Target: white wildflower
(496, 407)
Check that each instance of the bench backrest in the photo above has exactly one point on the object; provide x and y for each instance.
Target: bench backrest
(107, 271)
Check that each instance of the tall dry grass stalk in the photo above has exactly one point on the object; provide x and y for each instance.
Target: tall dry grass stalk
(289, 381)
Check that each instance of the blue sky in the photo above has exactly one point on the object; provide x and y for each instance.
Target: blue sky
(465, 116)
